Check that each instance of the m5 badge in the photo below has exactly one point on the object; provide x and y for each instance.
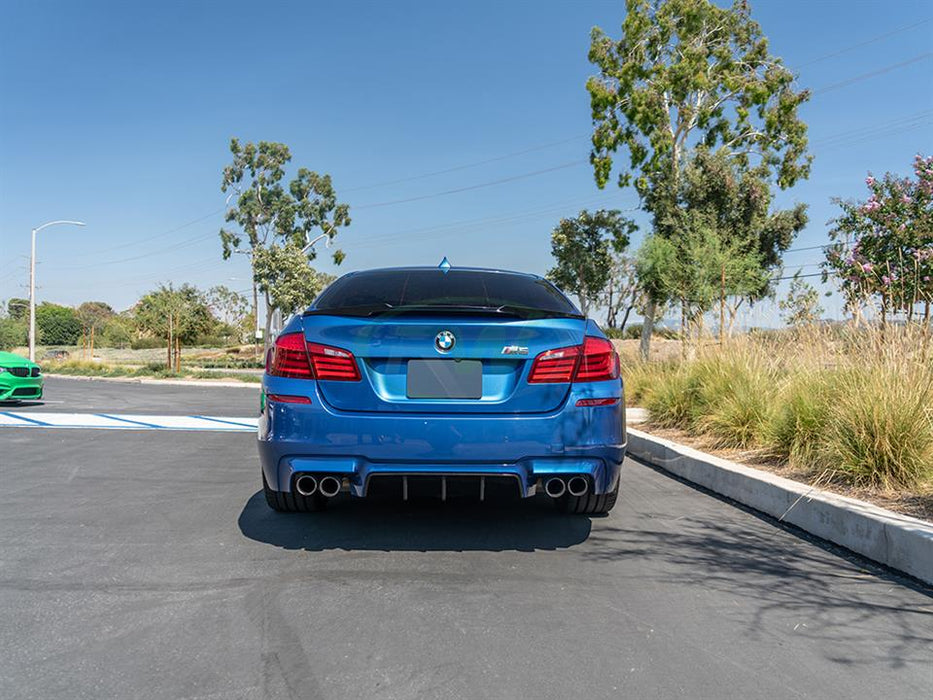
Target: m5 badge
(514, 350)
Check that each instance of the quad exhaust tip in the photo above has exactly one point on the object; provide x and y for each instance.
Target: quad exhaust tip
(555, 487)
(306, 485)
(577, 485)
(330, 486)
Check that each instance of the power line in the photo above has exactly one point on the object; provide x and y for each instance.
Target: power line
(866, 42)
(468, 165)
(478, 186)
(872, 74)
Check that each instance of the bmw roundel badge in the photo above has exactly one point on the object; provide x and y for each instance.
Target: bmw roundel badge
(444, 341)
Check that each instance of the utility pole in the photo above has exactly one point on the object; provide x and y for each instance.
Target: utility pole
(32, 284)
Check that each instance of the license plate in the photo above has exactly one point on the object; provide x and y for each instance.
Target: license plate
(445, 379)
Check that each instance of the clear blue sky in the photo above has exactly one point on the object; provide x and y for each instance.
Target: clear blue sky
(120, 114)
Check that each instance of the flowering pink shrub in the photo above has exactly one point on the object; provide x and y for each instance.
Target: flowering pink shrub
(883, 247)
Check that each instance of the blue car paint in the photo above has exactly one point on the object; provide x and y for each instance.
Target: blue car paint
(524, 430)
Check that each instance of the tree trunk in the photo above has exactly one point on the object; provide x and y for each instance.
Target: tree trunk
(92, 342)
(266, 340)
(168, 360)
(177, 354)
(722, 306)
(628, 310)
(683, 328)
(255, 319)
(647, 327)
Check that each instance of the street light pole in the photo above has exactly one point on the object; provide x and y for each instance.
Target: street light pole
(32, 285)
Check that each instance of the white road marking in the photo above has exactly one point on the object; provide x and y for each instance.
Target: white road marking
(121, 421)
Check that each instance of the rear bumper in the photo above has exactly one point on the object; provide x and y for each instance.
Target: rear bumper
(316, 438)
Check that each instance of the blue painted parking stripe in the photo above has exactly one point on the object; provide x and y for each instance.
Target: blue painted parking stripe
(228, 422)
(18, 417)
(127, 420)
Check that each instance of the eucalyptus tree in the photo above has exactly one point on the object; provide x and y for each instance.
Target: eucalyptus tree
(271, 213)
(583, 248)
(683, 73)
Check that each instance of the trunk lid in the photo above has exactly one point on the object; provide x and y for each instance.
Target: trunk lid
(383, 347)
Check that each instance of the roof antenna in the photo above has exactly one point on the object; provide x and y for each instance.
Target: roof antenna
(445, 265)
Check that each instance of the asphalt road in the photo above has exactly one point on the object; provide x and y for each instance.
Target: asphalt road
(146, 564)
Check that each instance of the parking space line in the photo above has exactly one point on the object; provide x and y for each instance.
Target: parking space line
(127, 420)
(113, 421)
(15, 416)
(229, 422)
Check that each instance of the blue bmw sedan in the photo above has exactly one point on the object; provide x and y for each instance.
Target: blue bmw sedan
(447, 383)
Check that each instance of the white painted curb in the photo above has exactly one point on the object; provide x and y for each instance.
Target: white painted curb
(898, 541)
(170, 382)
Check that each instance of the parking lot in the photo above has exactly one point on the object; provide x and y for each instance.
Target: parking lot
(143, 562)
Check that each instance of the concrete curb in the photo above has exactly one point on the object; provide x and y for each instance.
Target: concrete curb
(895, 540)
(171, 382)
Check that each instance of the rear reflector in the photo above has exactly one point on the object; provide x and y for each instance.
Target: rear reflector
(596, 360)
(287, 398)
(598, 402)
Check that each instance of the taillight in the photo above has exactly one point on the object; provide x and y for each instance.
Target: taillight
(555, 366)
(596, 360)
(289, 358)
(293, 357)
(600, 361)
(333, 363)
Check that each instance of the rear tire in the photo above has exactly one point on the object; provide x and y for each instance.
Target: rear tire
(291, 502)
(591, 503)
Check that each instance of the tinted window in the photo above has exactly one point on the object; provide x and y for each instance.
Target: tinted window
(406, 288)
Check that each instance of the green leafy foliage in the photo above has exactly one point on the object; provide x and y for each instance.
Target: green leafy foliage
(583, 248)
(176, 315)
(801, 306)
(687, 72)
(686, 76)
(18, 309)
(290, 282)
(57, 325)
(13, 332)
(275, 220)
(884, 245)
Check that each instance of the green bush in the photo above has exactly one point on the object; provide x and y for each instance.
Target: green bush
(13, 333)
(116, 333)
(57, 325)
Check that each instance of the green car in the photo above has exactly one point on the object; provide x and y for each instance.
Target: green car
(20, 379)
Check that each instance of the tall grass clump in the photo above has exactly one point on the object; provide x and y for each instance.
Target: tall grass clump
(798, 419)
(726, 396)
(857, 405)
(880, 428)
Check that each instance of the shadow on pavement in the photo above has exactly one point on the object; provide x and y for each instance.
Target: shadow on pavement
(355, 524)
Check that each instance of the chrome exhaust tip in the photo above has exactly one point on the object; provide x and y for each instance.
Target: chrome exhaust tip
(577, 485)
(306, 485)
(555, 487)
(330, 486)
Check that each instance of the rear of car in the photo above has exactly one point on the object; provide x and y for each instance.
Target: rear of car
(20, 379)
(416, 380)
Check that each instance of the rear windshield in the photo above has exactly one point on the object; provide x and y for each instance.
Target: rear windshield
(387, 291)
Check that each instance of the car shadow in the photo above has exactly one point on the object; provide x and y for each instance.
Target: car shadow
(21, 404)
(417, 526)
